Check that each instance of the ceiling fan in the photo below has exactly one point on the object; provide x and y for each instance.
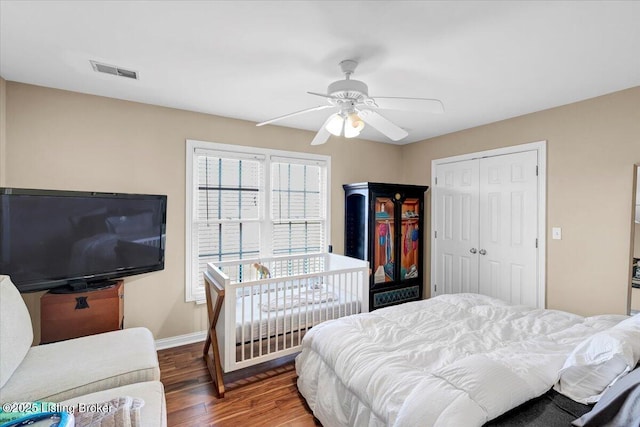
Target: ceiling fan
(354, 107)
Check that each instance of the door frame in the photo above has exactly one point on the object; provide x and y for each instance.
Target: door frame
(541, 148)
(635, 201)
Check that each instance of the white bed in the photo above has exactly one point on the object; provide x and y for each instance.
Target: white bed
(452, 360)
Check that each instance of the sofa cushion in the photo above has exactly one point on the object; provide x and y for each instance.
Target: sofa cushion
(152, 414)
(16, 333)
(66, 369)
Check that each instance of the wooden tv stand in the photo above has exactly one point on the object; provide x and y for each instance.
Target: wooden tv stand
(73, 315)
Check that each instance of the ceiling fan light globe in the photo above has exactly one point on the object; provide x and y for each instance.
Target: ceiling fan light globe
(335, 125)
(354, 121)
(350, 131)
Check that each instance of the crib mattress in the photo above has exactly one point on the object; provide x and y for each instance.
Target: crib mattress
(253, 323)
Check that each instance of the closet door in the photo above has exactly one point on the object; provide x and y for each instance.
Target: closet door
(456, 217)
(508, 255)
(486, 220)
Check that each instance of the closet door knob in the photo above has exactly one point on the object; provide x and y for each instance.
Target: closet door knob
(483, 252)
(473, 250)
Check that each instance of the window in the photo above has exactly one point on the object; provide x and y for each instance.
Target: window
(245, 202)
(298, 200)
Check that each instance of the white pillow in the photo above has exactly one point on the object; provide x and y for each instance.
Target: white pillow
(597, 362)
(16, 333)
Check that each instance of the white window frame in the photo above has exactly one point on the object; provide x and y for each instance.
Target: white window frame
(195, 291)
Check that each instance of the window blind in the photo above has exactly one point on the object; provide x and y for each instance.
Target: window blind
(297, 207)
(228, 194)
(252, 205)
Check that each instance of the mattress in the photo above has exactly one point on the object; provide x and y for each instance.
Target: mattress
(452, 360)
(254, 322)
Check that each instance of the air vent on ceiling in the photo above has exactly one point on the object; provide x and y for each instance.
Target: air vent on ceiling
(112, 69)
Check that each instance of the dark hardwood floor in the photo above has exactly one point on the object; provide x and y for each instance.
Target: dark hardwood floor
(257, 396)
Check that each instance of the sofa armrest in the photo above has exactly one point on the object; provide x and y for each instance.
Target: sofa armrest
(66, 369)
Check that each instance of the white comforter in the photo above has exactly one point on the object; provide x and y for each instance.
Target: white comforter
(452, 360)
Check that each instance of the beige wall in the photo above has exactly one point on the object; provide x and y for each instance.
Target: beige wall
(591, 150)
(64, 140)
(59, 139)
(635, 299)
(636, 240)
(3, 128)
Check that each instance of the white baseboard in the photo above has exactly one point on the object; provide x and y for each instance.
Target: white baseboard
(164, 343)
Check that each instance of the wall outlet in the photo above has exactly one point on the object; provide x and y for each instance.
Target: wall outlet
(556, 233)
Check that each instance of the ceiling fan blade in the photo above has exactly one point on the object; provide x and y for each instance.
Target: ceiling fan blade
(422, 105)
(308, 110)
(323, 134)
(384, 126)
(322, 95)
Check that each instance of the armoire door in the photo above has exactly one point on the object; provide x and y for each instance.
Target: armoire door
(486, 217)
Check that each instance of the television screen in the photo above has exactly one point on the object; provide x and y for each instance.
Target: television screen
(52, 238)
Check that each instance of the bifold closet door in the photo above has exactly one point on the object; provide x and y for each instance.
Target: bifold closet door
(508, 256)
(486, 214)
(456, 216)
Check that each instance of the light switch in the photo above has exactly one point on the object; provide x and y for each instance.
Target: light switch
(556, 233)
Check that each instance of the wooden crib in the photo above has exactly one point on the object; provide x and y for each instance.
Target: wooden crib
(259, 309)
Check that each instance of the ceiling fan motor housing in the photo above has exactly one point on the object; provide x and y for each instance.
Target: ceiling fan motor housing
(348, 89)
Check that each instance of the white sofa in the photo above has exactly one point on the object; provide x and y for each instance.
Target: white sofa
(90, 369)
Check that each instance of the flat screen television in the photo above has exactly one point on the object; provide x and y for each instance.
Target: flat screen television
(71, 240)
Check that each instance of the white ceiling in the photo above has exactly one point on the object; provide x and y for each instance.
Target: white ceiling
(254, 60)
